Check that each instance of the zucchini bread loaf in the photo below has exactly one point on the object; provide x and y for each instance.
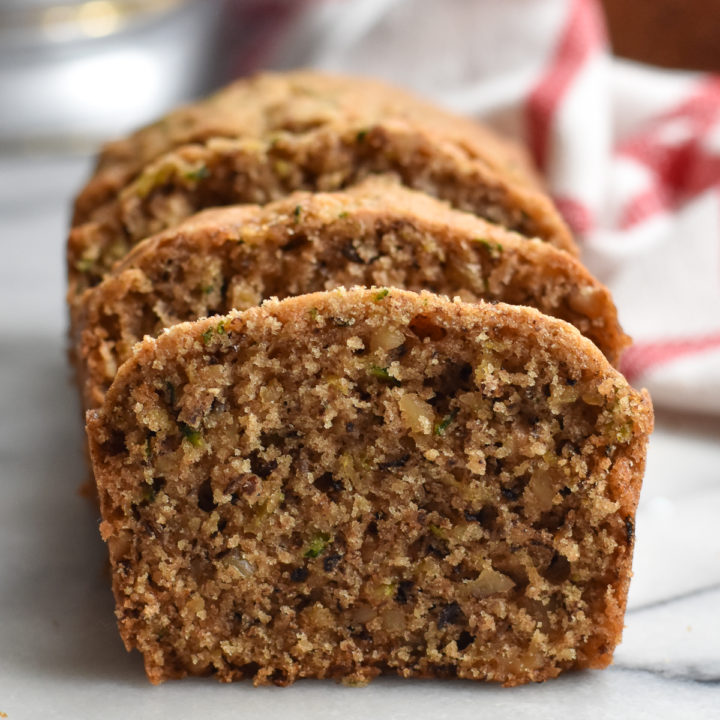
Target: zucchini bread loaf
(371, 481)
(266, 136)
(376, 233)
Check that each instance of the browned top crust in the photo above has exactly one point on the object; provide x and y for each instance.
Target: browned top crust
(376, 233)
(266, 136)
(530, 330)
(269, 104)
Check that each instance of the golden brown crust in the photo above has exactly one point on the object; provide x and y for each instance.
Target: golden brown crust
(271, 103)
(273, 134)
(378, 233)
(285, 495)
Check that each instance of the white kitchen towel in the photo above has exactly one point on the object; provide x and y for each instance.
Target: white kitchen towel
(631, 154)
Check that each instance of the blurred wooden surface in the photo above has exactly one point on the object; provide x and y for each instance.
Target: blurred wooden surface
(669, 33)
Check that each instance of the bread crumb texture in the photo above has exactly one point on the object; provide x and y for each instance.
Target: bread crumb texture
(370, 481)
(266, 136)
(376, 233)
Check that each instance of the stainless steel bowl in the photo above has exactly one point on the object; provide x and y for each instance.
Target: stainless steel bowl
(73, 74)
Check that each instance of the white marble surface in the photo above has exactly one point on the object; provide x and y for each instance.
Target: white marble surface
(60, 655)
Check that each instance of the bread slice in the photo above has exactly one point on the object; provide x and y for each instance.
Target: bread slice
(377, 233)
(350, 483)
(296, 102)
(267, 136)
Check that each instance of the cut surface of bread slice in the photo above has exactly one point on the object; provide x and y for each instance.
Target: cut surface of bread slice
(377, 233)
(351, 483)
(268, 136)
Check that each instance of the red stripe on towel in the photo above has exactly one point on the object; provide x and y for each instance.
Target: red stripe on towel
(583, 33)
(673, 150)
(643, 357)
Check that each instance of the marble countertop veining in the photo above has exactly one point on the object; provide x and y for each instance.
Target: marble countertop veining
(60, 654)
